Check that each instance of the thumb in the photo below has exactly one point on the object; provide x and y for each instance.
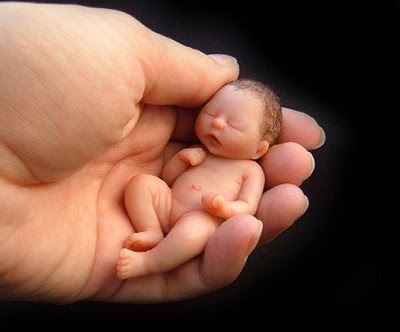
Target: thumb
(179, 75)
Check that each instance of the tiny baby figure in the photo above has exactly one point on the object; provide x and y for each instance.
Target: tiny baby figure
(202, 185)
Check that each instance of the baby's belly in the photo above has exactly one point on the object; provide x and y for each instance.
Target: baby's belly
(187, 198)
(187, 195)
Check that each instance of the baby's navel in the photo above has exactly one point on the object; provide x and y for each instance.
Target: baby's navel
(197, 186)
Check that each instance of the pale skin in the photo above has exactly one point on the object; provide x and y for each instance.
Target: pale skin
(69, 144)
(204, 186)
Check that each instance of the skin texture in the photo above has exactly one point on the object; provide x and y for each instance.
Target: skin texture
(69, 143)
(207, 185)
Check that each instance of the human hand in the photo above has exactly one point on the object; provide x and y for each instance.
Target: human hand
(72, 140)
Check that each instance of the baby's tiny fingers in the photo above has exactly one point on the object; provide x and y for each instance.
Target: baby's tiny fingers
(198, 157)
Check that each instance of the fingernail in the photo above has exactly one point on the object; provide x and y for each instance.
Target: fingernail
(260, 226)
(312, 164)
(255, 238)
(225, 60)
(307, 204)
(322, 138)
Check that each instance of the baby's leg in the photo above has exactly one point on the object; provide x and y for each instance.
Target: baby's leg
(148, 203)
(186, 240)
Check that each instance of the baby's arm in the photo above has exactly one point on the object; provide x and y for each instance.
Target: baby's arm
(247, 200)
(181, 161)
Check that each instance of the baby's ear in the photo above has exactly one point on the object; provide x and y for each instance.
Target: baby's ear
(262, 148)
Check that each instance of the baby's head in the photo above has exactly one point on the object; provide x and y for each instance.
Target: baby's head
(270, 124)
(242, 120)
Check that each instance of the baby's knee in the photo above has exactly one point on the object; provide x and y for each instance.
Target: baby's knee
(142, 181)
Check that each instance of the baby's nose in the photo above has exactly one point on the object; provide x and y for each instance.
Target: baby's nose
(218, 123)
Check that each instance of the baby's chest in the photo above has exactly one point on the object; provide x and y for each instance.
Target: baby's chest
(217, 174)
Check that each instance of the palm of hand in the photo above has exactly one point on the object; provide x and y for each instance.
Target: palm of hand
(66, 158)
(69, 238)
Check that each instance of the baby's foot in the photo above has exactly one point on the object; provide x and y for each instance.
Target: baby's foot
(131, 264)
(143, 241)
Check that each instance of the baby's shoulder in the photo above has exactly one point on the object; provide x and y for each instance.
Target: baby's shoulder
(251, 165)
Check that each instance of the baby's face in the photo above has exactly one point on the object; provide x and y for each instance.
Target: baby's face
(228, 125)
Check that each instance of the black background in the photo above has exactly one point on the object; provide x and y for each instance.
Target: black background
(333, 268)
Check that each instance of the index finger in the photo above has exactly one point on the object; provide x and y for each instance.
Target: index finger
(301, 128)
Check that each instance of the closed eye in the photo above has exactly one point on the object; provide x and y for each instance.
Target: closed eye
(209, 115)
(234, 127)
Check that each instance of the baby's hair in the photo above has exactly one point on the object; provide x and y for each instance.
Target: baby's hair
(271, 123)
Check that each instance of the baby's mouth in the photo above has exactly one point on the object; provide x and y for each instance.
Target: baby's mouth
(213, 140)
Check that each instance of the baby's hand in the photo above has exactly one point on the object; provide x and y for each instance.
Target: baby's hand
(216, 205)
(192, 156)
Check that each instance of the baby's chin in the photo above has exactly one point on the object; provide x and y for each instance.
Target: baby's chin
(217, 148)
(213, 145)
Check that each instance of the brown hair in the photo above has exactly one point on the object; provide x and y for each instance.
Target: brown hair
(270, 126)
